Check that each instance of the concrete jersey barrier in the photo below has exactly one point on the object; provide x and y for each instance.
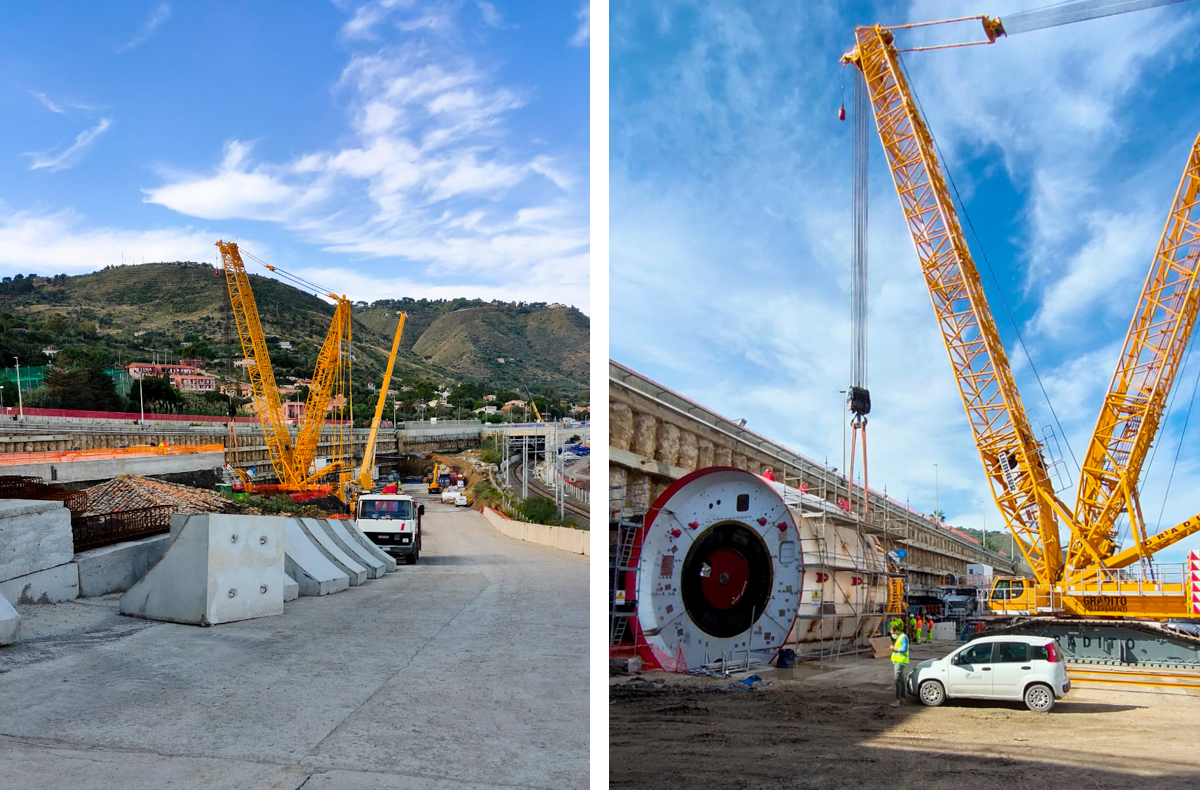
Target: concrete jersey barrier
(312, 571)
(325, 544)
(337, 531)
(575, 541)
(218, 568)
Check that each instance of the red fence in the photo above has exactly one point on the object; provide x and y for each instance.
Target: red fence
(12, 412)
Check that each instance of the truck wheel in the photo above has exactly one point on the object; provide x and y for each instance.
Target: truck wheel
(931, 693)
(1039, 698)
(411, 559)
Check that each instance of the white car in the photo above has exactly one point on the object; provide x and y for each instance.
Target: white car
(461, 500)
(1027, 669)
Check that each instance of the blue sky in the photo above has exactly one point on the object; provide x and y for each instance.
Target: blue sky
(731, 226)
(385, 148)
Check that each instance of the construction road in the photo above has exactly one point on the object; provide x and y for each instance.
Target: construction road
(468, 670)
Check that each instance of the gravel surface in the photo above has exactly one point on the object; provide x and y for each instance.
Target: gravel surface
(834, 729)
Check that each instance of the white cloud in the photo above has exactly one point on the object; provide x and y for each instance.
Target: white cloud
(72, 155)
(61, 242)
(430, 171)
(45, 100)
(148, 28)
(491, 16)
(583, 33)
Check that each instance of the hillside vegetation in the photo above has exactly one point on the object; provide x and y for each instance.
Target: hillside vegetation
(181, 310)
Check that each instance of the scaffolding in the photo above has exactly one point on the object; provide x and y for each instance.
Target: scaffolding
(628, 506)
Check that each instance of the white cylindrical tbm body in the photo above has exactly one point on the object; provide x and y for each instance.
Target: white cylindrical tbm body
(731, 567)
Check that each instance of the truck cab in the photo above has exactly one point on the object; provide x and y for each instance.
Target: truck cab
(393, 523)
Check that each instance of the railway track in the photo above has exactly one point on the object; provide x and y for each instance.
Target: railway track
(536, 486)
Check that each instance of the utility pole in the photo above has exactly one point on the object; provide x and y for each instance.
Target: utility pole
(936, 507)
(141, 400)
(20, 397)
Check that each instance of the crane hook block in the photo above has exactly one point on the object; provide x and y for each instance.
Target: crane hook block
(842, 113)
(858, 401)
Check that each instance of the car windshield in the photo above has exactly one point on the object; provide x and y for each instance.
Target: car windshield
(385, 509)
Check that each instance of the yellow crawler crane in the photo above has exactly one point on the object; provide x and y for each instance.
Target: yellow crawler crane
(1086, 596)
(293, 461)
(366, 480)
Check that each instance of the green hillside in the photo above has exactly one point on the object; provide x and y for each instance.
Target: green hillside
(181, 310)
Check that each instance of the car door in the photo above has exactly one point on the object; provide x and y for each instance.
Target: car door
(1010, 669)
(970, 672)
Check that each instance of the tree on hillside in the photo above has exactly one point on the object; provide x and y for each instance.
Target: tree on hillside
(83, 385)
(158, 395)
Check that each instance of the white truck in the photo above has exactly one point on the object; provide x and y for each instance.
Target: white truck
(393, 523)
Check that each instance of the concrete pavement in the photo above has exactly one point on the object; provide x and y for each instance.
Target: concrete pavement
(467, 670)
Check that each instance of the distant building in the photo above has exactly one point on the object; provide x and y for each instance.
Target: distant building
(513, 404)
(489, 397)
(285, 344)
(500, 360)
(50, 351)
(182, 377)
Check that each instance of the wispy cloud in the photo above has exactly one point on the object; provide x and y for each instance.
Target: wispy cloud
(583, 33)
(148, 28)
(431, 173)
(491, 16)
(71, 156)
(46, 102)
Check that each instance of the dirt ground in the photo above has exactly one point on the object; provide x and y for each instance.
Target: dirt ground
(815, 729)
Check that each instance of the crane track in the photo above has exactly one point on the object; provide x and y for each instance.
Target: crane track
(1088, 675)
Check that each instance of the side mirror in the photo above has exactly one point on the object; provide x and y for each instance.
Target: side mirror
(420, 510)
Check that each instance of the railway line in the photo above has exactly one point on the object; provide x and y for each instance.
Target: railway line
(579, 511)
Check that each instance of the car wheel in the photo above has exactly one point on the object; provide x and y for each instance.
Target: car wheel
(931, 693)
(1039, 698)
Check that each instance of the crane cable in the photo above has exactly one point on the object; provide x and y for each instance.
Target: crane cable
(1074, 11)
(307, 285)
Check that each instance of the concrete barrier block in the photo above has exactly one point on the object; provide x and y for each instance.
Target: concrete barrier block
(539, 534)
(303, 561)
(587, 544)
(10, 623)
(356, 573)
(52, 585)
(568, 539)
(218, 568)
(361, 538)
(116, 568)
(34, 536)
(291, 590)
(944, 631)
(335, 529)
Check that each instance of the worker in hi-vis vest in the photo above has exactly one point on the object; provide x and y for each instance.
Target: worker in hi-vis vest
(899, 650)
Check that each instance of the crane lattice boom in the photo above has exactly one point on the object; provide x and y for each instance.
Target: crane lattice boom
(262, 375)
(1146, 371)
(1011, 457)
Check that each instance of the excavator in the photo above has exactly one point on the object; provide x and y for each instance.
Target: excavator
(294, 461)
(1099, 600)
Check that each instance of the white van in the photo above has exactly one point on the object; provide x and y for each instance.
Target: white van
(1027, 669)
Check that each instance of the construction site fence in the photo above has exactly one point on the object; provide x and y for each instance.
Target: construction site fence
(25, 487)
(64, 456)
(103, 529)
